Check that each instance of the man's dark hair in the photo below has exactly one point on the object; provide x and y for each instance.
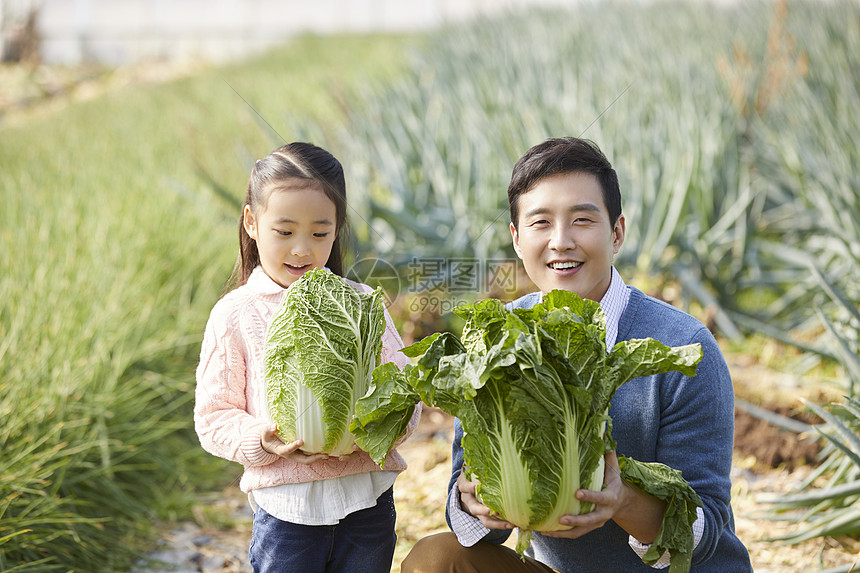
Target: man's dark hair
(560, 155)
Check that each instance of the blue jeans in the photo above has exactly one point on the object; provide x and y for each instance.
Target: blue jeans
(363, 542)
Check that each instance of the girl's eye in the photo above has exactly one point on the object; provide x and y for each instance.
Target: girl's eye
(320, 235)
(284, 233)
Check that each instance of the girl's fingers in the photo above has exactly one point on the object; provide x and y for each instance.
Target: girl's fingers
(293, 446)
(292, 451)
(273, 444)
(306, 459)
(345, 457)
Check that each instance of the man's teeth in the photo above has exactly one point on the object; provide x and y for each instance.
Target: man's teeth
(563, 266)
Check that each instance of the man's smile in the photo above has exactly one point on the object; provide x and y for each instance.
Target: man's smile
(566, 265)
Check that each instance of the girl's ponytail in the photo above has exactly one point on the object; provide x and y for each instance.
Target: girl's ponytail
(248, 257)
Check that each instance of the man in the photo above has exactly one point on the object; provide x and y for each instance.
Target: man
(566, 226)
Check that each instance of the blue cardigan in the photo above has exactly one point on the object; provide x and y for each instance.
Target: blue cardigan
(684, 422)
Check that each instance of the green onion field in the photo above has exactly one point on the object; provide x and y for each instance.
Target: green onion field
(735, 131)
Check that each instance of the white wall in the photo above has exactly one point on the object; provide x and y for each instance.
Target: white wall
(121, 31)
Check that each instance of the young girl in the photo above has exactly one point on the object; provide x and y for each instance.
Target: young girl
(312, 513)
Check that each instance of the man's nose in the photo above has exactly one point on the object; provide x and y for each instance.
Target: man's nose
(561, 239)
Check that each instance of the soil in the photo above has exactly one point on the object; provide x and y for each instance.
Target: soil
(767, 460)
(773, 447)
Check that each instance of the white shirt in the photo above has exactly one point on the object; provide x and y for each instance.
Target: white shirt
(322, 502)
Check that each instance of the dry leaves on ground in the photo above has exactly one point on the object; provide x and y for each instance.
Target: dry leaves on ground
(420, 497)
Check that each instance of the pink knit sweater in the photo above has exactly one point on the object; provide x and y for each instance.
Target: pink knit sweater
(231, 410)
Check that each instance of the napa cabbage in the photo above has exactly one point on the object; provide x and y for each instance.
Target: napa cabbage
(322, 346)
(532, 389)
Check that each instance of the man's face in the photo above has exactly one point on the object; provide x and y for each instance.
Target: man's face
(564, 236)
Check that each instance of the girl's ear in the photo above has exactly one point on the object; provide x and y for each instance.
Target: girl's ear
(250, 222)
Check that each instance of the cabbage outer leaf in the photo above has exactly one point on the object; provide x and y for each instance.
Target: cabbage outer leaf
(382, 416)
(676, 532)
(322, 346)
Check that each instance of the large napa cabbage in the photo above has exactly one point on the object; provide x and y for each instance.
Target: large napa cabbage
(323, 343)
(532, 389)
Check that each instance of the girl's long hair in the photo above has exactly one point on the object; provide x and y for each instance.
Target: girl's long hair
(297, 160)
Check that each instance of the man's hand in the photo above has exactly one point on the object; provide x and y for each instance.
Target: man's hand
(470, 504)
(606, 503)
(634, 511)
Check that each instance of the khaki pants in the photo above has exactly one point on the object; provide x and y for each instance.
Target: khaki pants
(442, 553)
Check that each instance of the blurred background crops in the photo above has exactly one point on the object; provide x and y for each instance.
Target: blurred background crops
(113, 253)
(734, 131)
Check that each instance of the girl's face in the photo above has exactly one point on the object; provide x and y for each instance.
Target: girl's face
(294, 232)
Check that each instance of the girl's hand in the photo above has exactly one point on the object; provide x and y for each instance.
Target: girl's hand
(355, 449)
(470, 504)
(272, 443)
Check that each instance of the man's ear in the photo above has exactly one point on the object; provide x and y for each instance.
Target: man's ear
(250, 222)
(618, 232)
(515, 237)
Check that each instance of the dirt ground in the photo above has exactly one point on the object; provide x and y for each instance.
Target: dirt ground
(420, 499)
(420, 494)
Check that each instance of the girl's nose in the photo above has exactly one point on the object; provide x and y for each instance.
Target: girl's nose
(300, 249)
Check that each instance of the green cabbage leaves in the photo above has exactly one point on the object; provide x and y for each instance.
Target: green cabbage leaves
(322, 346)
(532, 389)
